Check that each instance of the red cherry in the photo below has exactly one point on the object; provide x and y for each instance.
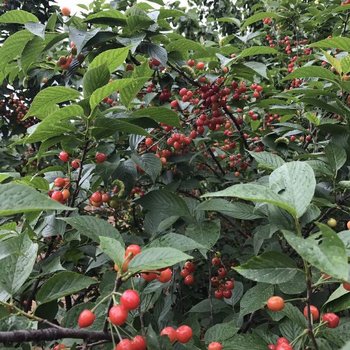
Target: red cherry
(57, 196)
(59, 182)
(184, 334)
(86, 318)
(100, 157)
(190, 266)
(282, 340)
(271, 347)
(130, 299)
(59, 347)
(275, 303)
(118, 315)
(219, 294)
(216, 261)
(134, 249)
(149, 276)
(314, 312)
(148, 142)
(65, 11)
(189, 280)
(139, 343)
(96, 197)
(227, 294)
(165, 275)
(222, 272)
(200, 65)
(170, 333)
(106, 198)
(64, 156)
(229, 285)
(184, 273)
(346, 286)
(284, 346)
(75, 163)
(215, 346)
(124, 344)
(331, 319)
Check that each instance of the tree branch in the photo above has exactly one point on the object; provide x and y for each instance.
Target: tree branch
(49, 334)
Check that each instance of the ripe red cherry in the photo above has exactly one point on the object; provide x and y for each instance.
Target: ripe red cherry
(348, 225)
(189, 280)
(106, 198)
(275, 303)
(134, 249)
(96, 197)
(215, 346)
(219, 294)
(331, 319)
(86, 318)
(149, 276)
(75, 163)
(216, 261)
(190, 266)
(59, 347)
(57, 196)
(282, 340)
(59, 182)
(271, 347)
(284, 346)
(118, 314)
(148, 142)
(346, 286)
(165, 276)
(314, 312)
(64, 156)
(124, 344)
(227, 294)
(229, 285)
(130, 299)
(184, 334)
(222, 272)
(170, 333)
(184, 273)
(200, 65)
(65, 11)
(139, 343)
(100, 157)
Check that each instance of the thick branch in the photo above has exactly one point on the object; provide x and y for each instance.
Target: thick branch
(49, 334)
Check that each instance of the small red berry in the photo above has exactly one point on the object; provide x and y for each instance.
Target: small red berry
(227, 294)
(96, 197)
(124, 344)
(165, 275)
(170, 333)
(59, 182)
(184, 334)
(118, 315)
(75, 163)
(222, 272)
(190, 266)
(149, 276)
(229, 285)
(331, 319)
(275, 303)
(314, 312)
(134, 249)
(219, 294)
(189, 280)
(100, 157)
(184, 273)
(139, 343)
(86, 318)
(130, 299)
(215, 346)
(216, 261)
(57, 196)
(64, 156)
(346, 286)
(148, 142)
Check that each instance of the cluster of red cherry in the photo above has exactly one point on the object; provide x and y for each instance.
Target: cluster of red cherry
(220, 281)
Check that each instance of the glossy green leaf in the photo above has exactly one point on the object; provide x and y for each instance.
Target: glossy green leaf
(111, 58)
(18, 16)
(312, 72)
(113, 248)
(95, 78)
(176, 241)
(267, 160)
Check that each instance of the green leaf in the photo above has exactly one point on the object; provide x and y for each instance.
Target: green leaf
(176, 241)
(27, 200)
(255, 298)
(245, 342)
(104, 91)
(62, 284)
(95, 78)
(235, 210)
(107, 17)
(184, 45)
(255, 193)
(17, 263)
(258, 17)
(150, 163)
(18, 17)
(207, 305)
(113, 248)
(206, 233)
(55, 124)
(269, 267)
(267, 160)
(333, 61)
(295, 182)
(342, 43)
(13, 46)
(159, 114)
(151, 259)
(94, 228)
(338, 301)
(324, 250)
(312, 72)
(257, 50)
(48, 97)
(336, 157)
(111, 58)
(129, 92)
(221, 332)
